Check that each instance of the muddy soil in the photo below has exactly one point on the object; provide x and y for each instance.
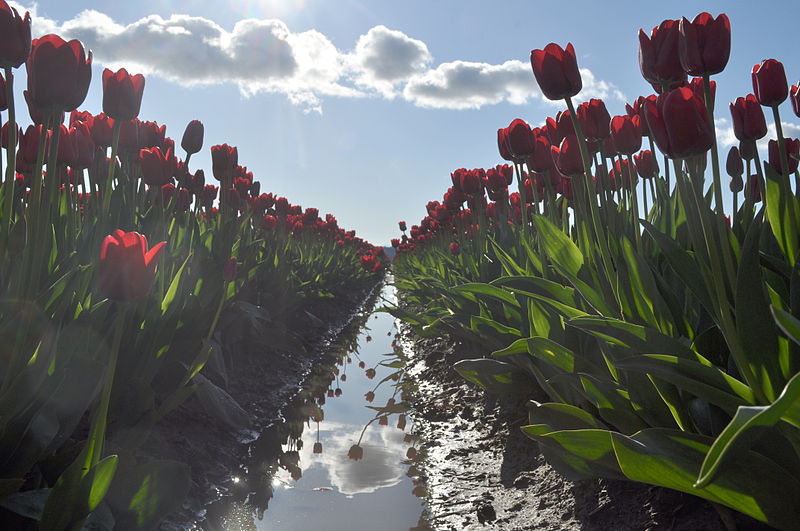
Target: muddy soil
(213, 432)
(482, 472)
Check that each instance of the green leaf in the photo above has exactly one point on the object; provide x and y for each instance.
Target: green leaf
(756, 486)
(558, 247)
(477, 288)
(636, 338)
(782, 208)
(577, 454)
(702, 380)
(494, 376)
(146, 493)
(169, 296)
(788, 323)
(737, 437)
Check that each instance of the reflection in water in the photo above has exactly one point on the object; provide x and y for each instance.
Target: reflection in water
(355, 468)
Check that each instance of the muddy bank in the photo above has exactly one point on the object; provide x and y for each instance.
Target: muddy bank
(481, 472)
(241, 395)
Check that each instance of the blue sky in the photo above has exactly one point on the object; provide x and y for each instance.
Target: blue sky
(362, 108)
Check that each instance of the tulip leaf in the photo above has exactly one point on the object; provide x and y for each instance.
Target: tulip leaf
(782, 209)
(477, 288)
(494, 376)
(737, 436)
(169, 296)
(788, 323)
(636, 338)
(577, 454)
(559, 247)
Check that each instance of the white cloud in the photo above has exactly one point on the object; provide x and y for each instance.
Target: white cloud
(266, 56)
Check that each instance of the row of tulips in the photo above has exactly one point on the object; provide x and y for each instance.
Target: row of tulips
(665, 334)
(104, 335)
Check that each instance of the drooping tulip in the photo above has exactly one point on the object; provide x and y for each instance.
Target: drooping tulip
(556, 71)
(126, 268)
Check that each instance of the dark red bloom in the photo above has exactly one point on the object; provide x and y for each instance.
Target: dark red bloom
(101, 127)
(153, 135)
(626, 133)
(792, 150)
(769, 83)
(659, 60)
(646, 165)
(127, 268)
(3, 98)
(502, 144)
(794, 96)
(231, 198)
(129, 137)
(122, 94)
(637, 109)
(472, 182)
(679, 123)
(59, 73)
(455, 249)
(541, 159)
(734, 165)
(748, 118)
(15, 36)
(192, 141)
(520, 141)
(39, 115)
(156, 166)
(704, 44)
(224, 159)
(402, 225)
(594, 119)
(556, 71)
(567, 157)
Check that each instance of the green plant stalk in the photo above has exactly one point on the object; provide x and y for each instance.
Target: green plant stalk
(634, 205)
(598, 235)
(784, 162)
(693, 198)
(11, 153)
(112, 166)
(714, 153)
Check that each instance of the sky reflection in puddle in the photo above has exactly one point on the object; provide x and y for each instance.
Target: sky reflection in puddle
(309, 474)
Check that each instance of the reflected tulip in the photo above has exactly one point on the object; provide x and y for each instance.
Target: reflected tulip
(370, 396)
(370, 373)
(383, 421)
(317, 447)
(411, 453)
(355, 453)
(401, 422)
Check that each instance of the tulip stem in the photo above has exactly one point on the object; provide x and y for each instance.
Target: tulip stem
(11, 153)
(112, 166)
(714, 152)
(784, 181)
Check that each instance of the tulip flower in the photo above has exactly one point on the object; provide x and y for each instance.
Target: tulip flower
(402, 226)
(224, 159)
(59, 73)
(502, 144)
(734, 165)
(122, 94)
(153, 135)
(556, 71)
(541, 159)
(594, 119)
(126, 269)
(792, 149)
(659, 60)
(567, 157)
(15, 36)
(794, 96)
(192, 141)
(679, 123)
(646, 164)
(626, 133)
(704, 44)
(317, 447)
(769, 83)
(455, 249)
(156, 166)
(748, 118)
(519, 139)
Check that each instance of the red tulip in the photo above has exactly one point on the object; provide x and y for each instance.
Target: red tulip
(153, 135)
(567, 157)
(59, 73)
(455, 249)
(541, 160)
(224, 159)
(156, 166)
(101, 127)
(659, 59)
(502, 144)
(122, 94)
(3, 98)
(734, 165)
(402, 226)
(748, 149)
(519, 139)
(792, 149)
(679, 123)
(704, 44)
(748, 118)
(769, 83)
(794, 96)
(129, 137)
(556, 71)
(15, 36)
(626, 133)
(594, 119)
(126, 269)
(192, 141)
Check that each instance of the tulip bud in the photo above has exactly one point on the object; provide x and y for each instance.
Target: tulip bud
(734, 165)
(192, 141)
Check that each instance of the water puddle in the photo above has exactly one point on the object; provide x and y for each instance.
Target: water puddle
(344, 456)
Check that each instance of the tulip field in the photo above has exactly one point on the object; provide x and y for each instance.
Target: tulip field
(662, 326)
(600, 266)
(116, 266)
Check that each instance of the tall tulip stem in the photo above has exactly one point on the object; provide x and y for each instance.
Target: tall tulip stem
(112, 166)
(11, 153)
(714, 152)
